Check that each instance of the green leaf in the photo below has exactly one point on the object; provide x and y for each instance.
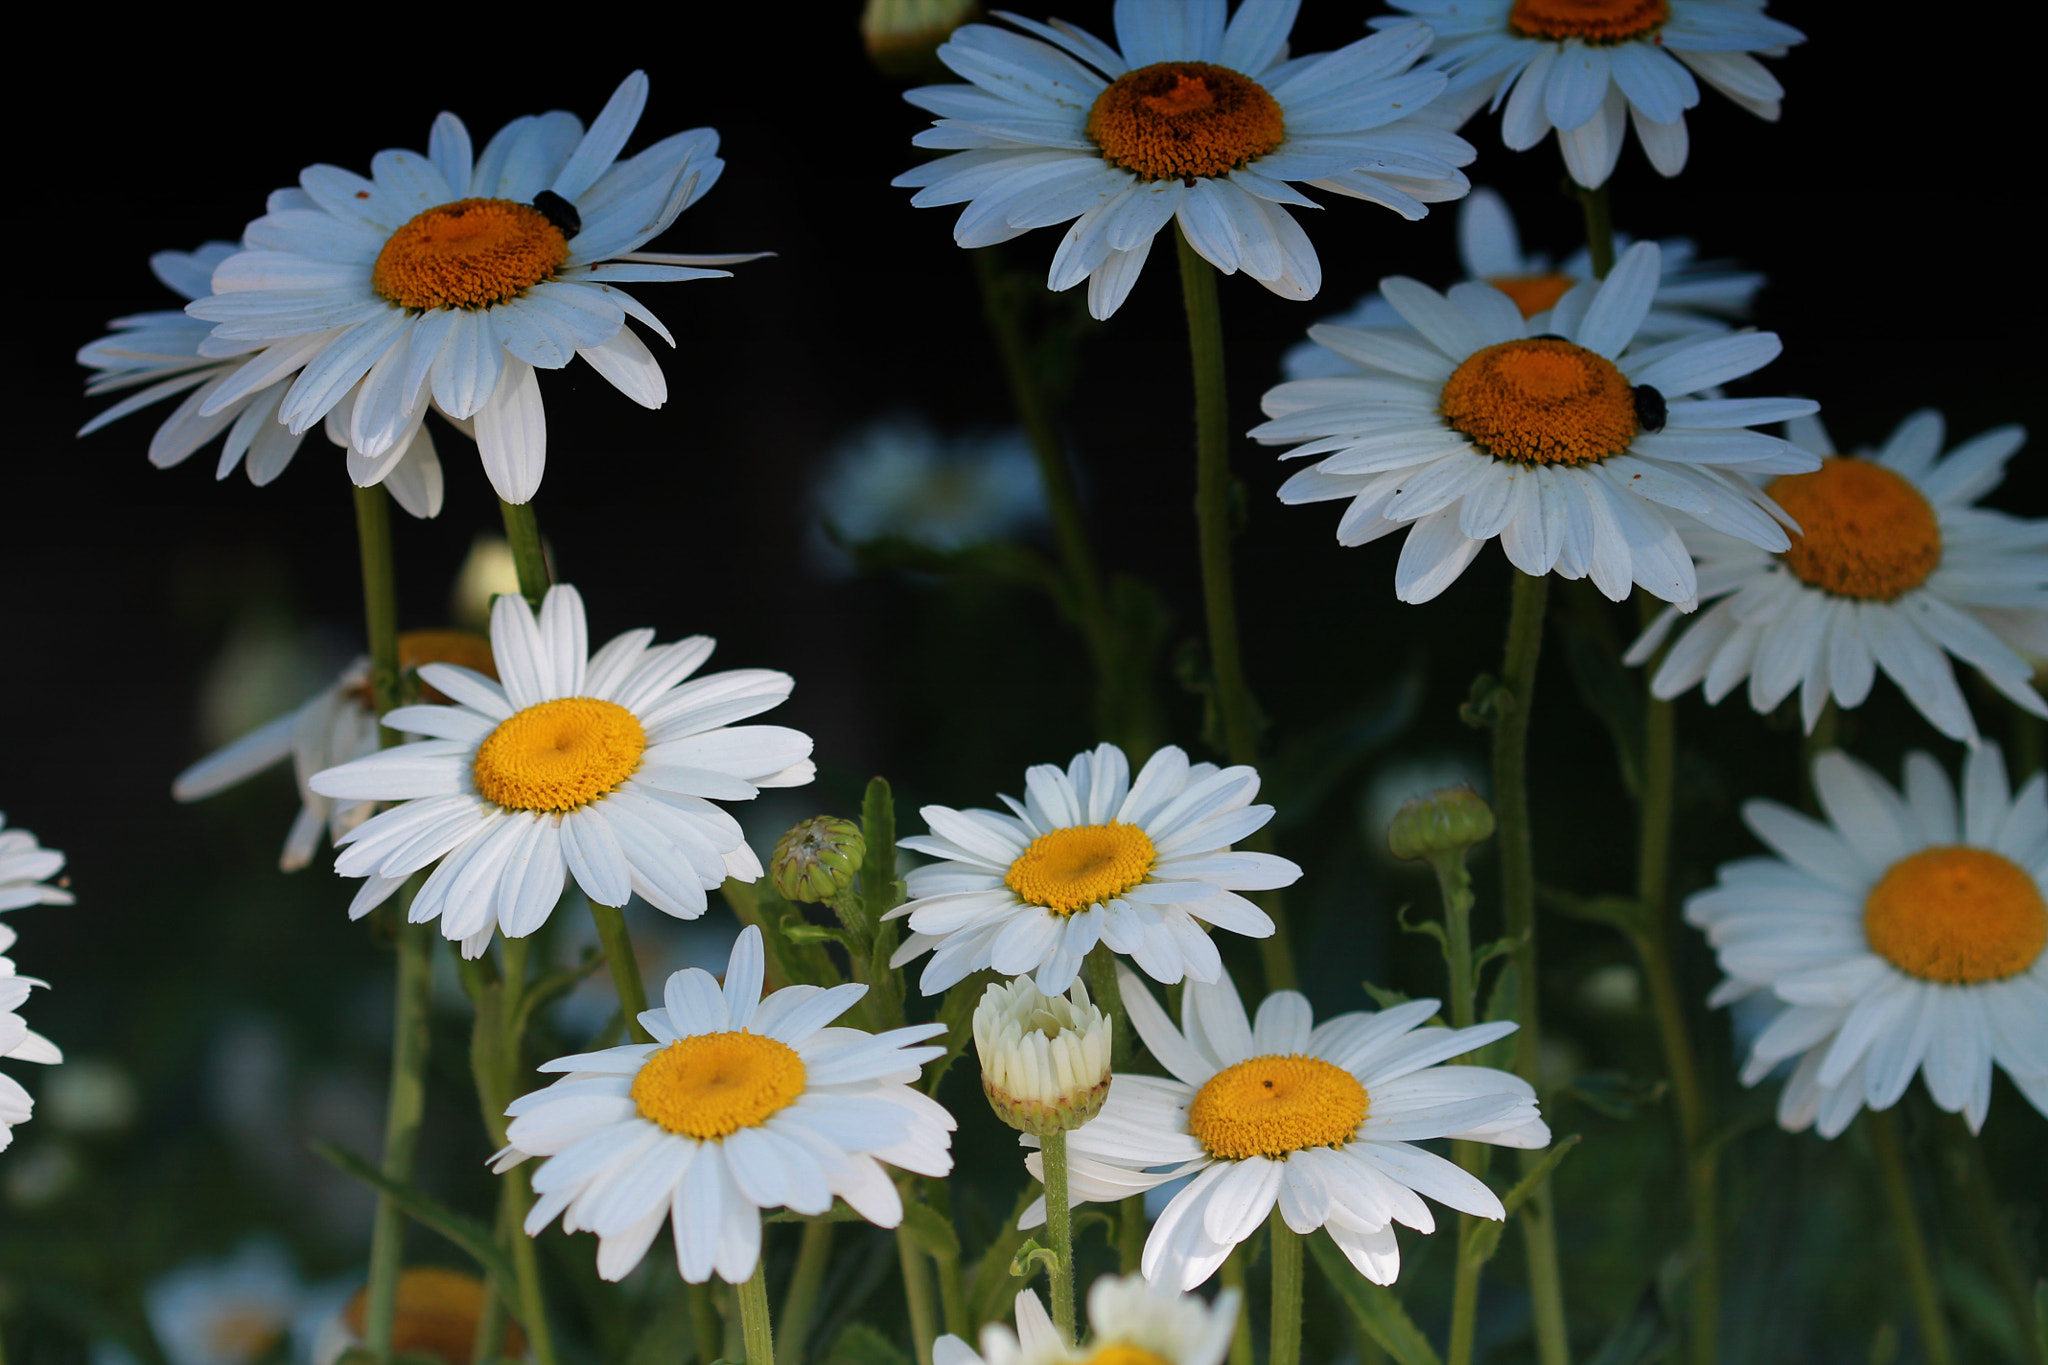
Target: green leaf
(1481, 1237)
(1377, 1308)
(1428, 926)
(800, 930)
(1031, 1254)
(552, 987)
(1487, 701)
(932, 1231)
(466, 1232)
(1625, 913)
(861, 1344)
(880, 893)
(840, 1212)
(1616, 1094)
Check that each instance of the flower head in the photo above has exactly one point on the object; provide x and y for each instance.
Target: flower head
(817, 860)
(1905, 932)
(1187, 118)
(235, 1311)
(25, 867)
(1044, 1058)
(739, 1104)
(1130, 1322)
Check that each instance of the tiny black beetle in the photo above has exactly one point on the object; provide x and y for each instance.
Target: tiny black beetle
(559, 211)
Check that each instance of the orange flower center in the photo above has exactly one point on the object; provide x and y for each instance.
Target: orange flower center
(1541, 401)
(473, 253)
(1533, 293)
(1863, 530)
(1070, 869)
(1123, 1353)
(559, 755)
(1184, 120)
(1591, 21)
(437, 1316)
(713, 1084)
(1271, 1106)
(1957, 914)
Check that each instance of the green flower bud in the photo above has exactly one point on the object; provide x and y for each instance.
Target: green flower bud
(1445, 822)
(816, 860)
(903, 36)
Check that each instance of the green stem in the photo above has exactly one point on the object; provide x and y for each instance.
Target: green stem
(380, 596)
(1106, 993)
(1990, 1230)
(1285, 1324)
(1059, 1230)
(1464, 1288)
(1898, 1197)
(1130, 1241)
(1241, 1335)
(754, 1324)
(707, 1331)
(1599, 229)
(800, 1302)
(1219, 593)
(529, 557)
(917, 1295)
(1454, 882)
(625, 967)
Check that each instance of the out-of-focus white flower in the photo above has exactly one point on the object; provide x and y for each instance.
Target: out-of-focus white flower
(233, 1311)
(897, 476)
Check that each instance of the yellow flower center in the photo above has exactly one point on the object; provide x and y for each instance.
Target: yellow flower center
(437, 1316)
(1083, 865)
(236, 1335)
(1184, 120)
(715, 1084)
(1864, 531)
(1957, 914)
(1541, 401)
(559, 755)
(1270, 1106)
(1123, 1353)
(418, 648)
(1533, 293)
(1591, 21)
(473, 253)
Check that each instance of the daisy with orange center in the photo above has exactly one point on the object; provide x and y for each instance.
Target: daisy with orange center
(1589, 68)
(1556, 433)
(1130, 1322)
(1893, 568)
(1904, 933)
(1189, 119)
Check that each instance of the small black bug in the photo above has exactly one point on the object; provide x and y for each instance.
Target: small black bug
(559, 211)
(1546, 336)
(1649, 408)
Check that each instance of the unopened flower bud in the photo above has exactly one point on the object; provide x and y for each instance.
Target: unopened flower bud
(1044, 1058)
(1445, 822)
(816, 861)
(903, 36)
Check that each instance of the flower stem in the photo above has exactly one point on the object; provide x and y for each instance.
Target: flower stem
(380, 595)
(1285, 1322)
(917, 1295)
(1232, 1276)
(1980, 1203)
(625, 967)
(1454, 882)
(1234, 705)
(529, 557)
(1898, 1197)
(1599, 229)
(1059, 1229)
(707, 1332)
(754, 1324)
(800, 1301)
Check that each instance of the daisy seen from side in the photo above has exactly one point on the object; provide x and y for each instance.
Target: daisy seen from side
(739, 1104)
(1588, 68)
(598, 767)
(1130, 1322)
(1091, 855)
(1553, 433)
(454, 277)
(1194, 116)
(1318, 1119)
(1903, 933)
(1894, 568)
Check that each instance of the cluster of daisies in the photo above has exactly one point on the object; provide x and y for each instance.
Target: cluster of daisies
(26, 868)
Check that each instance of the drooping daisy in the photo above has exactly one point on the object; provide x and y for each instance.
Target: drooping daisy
(1893, 568)
(1692, 295)
(1549, 432)
(1187, 118)
(170, 352)
(1902, 934)
(601, 767)
(1130, 1322)
(1091, 856)
(453, 277)
(1586, 67)
(1321, 1120)
(334, 726)
(739, 1104)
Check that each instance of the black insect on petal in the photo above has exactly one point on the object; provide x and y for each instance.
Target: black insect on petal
(1649, 408)
(1548, 336)
(559, 211)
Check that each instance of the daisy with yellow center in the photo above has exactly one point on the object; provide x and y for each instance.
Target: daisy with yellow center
(1555, 432)
(1092, 856)
(1903, 933)
(1589, 68)
(1319, 1119)
(1130, 1322)
(1894, 567)
(450, 279)
(238, 1310)
(559, 764)
(739, 1104)
(1188, 118)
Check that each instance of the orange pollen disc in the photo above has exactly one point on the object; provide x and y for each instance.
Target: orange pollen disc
(1184, 120)
(1271, 1106)
(1957, 914)
(1533, 293)
(1863, 530)
(1591, 21)
(417, 648)
(436, 1316)
(1541, 401)
(473, 253)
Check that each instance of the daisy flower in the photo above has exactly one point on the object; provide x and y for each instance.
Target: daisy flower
(1187, 118)
(453, 277)
(170, 353)
(1902, 933)
(1130, 1322)
(235, 1311)
(1586, 67)
(1321, 1120)
(1692, 295)
(598, 767)
(1549, 432)
(336, 725)
(1893, 567)
(1091, 856)
(739, 1104)
(25, 868)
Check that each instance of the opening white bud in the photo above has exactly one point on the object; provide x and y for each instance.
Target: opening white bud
(1044, 1059)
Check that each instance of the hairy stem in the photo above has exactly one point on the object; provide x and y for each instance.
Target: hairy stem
(1059, 1230)
(1285, 1324)
(529, 557)
(755, 1327)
